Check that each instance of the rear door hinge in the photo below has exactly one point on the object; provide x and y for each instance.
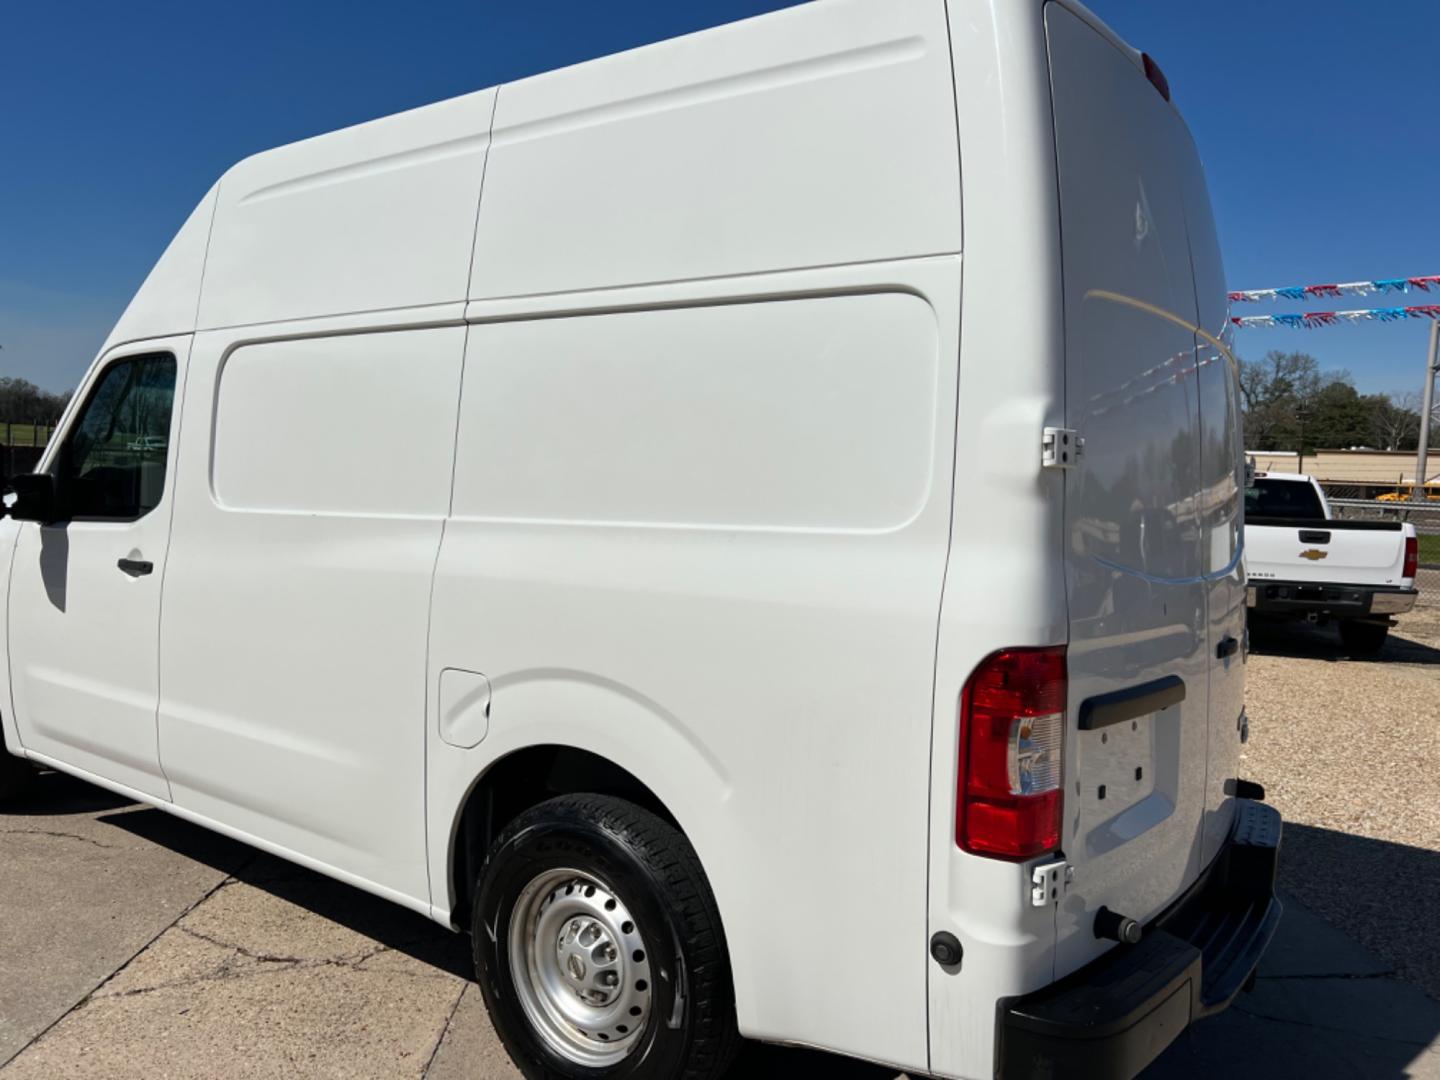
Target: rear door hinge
(1048, 882)
(1060, 448)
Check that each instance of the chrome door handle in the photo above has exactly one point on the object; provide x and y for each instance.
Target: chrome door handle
(136, 567)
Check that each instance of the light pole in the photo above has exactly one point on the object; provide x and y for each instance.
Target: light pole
(1300, 415)
(1427, 406)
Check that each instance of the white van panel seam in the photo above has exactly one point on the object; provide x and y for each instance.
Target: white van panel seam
(881, 54)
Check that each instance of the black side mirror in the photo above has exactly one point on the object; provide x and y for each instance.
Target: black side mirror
(35, 498)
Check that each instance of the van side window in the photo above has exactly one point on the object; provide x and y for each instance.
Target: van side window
(113, 463)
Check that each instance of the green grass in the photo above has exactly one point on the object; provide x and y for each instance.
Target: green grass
(24, 434)
(1430, 549)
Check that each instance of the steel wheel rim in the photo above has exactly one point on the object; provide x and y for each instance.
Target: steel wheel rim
(581, 967)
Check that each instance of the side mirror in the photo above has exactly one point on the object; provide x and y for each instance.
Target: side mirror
(35, 498)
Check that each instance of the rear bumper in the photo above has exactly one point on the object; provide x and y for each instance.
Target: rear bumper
(1336, 601)
(1113, 1017)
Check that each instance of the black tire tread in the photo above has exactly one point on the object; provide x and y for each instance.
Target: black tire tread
(684, 890)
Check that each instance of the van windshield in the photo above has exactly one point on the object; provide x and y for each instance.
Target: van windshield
(1293, 499)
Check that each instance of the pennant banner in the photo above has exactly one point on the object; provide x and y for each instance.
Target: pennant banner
(1345, 288)
(1312, 319)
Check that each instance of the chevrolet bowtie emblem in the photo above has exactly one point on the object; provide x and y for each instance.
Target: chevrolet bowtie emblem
(1314, 554)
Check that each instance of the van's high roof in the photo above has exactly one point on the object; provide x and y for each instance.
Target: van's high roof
(440, 135)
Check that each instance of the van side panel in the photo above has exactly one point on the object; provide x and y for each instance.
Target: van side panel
(670, 417)
(312, 486)
(704, 537)
(1004, 585)
(818, 135)
(373, 217)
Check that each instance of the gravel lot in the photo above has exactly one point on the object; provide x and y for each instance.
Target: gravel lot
(1349, 751)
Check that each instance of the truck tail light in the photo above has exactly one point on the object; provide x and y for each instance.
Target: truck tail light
(1412, 557)
(1012, 741)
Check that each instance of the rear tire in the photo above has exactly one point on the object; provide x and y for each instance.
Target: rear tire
(1365, 638)
(599, 948)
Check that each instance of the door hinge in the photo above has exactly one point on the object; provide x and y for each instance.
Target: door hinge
(1048, 882)
(1060, 448)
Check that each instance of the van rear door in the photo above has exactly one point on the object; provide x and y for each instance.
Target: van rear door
(1136, 748)
(1222, 488)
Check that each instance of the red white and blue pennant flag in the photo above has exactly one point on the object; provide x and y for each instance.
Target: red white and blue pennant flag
(1311, 319)
(1344, 288)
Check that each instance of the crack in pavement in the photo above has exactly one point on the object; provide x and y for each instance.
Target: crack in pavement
(85, 999)
(57, 834)
(444, 1031)
(1391, 974)
(222, 973)
(269, 964)
(1335, 975)
(1267, 1017)
(352, 962)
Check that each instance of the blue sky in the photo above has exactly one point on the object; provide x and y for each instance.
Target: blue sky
(1313, 119)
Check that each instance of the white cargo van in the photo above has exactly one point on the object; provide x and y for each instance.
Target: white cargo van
(749, 528)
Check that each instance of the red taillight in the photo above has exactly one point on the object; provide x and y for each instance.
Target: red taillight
(1012, 742)
(1412, 557)
(1156, 76)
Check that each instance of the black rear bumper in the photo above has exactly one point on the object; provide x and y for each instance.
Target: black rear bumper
(1113, 1017)
(1301, 598)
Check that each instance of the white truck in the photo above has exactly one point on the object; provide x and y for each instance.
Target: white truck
(1303, 563)
(806, 603)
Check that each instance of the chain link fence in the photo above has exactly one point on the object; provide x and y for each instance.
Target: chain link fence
(1356, 501)
(21, 445)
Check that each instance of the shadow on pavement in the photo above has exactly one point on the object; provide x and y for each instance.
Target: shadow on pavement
(1341, 991)
(55, 794)
(760, 1062)
(380, 920)
(1385, 895)
(411, 934)
(1305, 641)
(1323, 1007)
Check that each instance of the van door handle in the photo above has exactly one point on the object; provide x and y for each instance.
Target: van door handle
(1228, 647)
(1131, 703)
(136, 567)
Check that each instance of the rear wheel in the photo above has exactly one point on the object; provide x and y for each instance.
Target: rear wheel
(1363, 637)
(599, 948)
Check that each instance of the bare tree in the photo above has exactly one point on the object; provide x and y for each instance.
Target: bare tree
(1396, 420)
(1277, 393)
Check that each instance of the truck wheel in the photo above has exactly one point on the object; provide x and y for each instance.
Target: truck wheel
(1365, 638)
(599, 948)
(16, 776)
